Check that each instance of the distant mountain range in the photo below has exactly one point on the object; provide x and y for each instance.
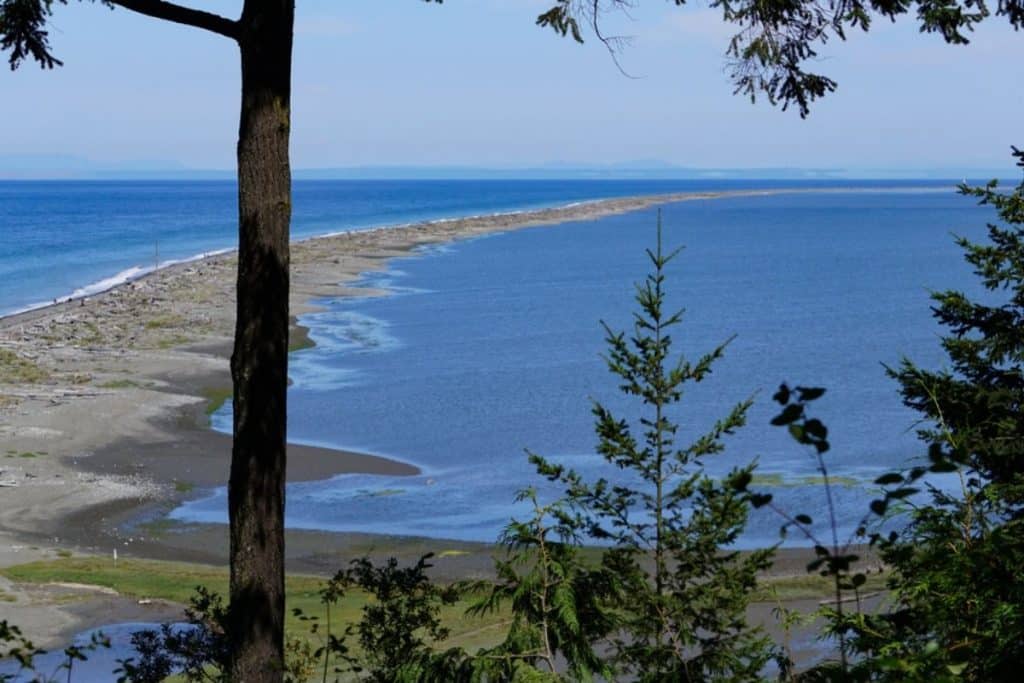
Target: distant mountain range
(76, 168)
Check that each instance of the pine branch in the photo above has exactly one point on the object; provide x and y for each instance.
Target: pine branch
(177, 14)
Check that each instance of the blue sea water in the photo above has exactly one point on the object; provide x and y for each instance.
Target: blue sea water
(99, 664)
(490, 346)
(73, 238)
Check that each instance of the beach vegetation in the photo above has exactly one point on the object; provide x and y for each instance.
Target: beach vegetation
(810, 586)
(23, 454)
(330, 606)
(164, 321)
(89, 334)
(159, 526)
(778, 480)
(299, 339)
(215, 397)
(16, 369)
(172, 341)
(120, 384)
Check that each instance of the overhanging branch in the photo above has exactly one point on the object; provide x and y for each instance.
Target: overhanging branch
(182, 15)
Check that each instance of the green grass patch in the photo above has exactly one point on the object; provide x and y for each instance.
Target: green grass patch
(299, 340)
(6, 597)
(777, 480)
(215, 397)
(24, 454)
(809, 587)
(134, 578)
(17, 370)
(833, 480)
(92, 333)
(120, 384)
(63, 553)
(183, 486)
(163, 322)
(172, 341)
(177, 582)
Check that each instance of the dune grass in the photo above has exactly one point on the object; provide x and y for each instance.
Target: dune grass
(17, 370)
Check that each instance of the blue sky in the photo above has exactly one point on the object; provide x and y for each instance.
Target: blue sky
(382, 82)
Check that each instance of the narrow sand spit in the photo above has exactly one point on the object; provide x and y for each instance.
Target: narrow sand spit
(103, 405)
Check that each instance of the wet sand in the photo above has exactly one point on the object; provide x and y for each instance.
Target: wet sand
(104, 403)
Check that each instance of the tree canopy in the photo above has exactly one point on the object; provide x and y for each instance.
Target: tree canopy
(777, 40)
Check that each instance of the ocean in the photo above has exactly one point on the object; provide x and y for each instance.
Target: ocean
(74, 238)
(489, 347)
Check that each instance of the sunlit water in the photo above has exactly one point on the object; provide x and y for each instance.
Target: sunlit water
(491, 346)
(74, 238)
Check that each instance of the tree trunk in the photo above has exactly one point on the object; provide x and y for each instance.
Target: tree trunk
(259, 364)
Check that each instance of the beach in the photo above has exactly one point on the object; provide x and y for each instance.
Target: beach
(104, 405)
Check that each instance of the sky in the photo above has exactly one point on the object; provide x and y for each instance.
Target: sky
(475, 82)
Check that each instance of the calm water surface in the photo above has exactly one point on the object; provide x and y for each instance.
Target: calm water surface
(492, 346)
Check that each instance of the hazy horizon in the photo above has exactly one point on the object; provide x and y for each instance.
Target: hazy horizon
(66, 167)
(476, 84)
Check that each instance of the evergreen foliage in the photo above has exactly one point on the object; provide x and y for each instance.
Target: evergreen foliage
(958, 563)
(683, 595)
(558, 602)
(776, 39)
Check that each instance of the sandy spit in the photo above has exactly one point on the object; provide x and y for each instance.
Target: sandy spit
(103, 411)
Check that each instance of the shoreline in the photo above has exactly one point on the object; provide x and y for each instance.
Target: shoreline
(133, 274)
(163, 341)
(104, 404)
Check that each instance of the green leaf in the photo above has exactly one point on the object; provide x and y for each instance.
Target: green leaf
(890, 478)
(901, 493)
(797, 432)
(789, 414)
(816, 428)
(810, 393)
(782, 395)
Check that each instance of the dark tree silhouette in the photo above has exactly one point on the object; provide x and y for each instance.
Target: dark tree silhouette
(259, 362)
